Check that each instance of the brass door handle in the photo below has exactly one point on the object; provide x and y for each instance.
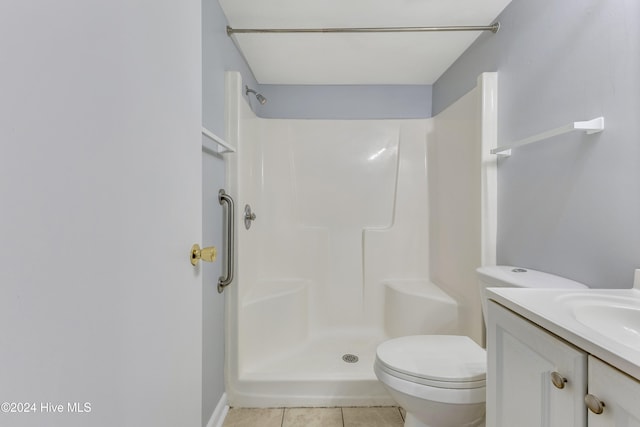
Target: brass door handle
(205, 254)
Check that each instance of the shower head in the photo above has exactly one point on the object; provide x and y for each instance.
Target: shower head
(261, 99)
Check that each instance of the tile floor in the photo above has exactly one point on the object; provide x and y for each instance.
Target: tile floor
(315, 417)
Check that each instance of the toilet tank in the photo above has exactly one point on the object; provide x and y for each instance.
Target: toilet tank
(506, 276)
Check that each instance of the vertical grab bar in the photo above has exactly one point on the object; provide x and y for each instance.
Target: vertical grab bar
(223, 281)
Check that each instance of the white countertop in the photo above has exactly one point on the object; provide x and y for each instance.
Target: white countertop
(552, 310)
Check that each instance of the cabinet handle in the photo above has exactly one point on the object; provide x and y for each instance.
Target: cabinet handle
(558, 380)
(594, 404)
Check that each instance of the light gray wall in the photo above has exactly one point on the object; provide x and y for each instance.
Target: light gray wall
(345, 102)
(569, 205)
(218, 55)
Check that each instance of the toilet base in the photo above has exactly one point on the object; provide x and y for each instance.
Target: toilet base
(411, 421)
(428, 413)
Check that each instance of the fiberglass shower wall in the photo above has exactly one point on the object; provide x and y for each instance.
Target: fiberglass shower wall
(352, 217)
(342, 207)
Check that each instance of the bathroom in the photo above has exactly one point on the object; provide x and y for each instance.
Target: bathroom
(552, 174)
(103, 105)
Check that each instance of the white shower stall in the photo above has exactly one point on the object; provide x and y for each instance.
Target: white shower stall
(364, 230)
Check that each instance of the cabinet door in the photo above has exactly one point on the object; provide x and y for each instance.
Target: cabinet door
(521, 360)
(619, 393)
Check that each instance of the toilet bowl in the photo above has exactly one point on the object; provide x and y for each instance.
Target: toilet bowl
(440, 379)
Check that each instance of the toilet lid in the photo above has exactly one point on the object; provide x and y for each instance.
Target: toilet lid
(445, 358)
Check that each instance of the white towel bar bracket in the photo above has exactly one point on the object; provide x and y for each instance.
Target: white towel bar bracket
(589, 127)
(222, 145)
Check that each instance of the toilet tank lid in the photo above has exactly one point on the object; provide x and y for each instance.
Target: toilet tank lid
(520, 277)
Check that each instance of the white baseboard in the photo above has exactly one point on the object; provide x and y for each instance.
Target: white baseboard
(220, 413)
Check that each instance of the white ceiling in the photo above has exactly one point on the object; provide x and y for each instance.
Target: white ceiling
(380, 58)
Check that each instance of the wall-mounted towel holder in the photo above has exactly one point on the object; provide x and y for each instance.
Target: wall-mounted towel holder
(221, 147)
(590, 127)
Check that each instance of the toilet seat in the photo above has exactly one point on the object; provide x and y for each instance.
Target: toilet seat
(442, 361)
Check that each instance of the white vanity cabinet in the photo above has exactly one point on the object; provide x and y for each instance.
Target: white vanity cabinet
(524, 363)
(535, 379)
(619, 392)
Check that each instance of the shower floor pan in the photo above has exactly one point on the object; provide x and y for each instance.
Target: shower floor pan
(316, 374)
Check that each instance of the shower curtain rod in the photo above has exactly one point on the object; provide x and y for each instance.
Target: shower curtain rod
(493, 28)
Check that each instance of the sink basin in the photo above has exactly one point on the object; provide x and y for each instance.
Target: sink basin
(616, 317)
(621, 324)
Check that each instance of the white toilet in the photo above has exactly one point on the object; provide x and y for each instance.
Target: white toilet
(440, 379)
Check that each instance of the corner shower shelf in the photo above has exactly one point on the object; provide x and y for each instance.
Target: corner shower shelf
(590, 127)
(221, 147)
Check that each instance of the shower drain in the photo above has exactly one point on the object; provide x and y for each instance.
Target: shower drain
(350, 358)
